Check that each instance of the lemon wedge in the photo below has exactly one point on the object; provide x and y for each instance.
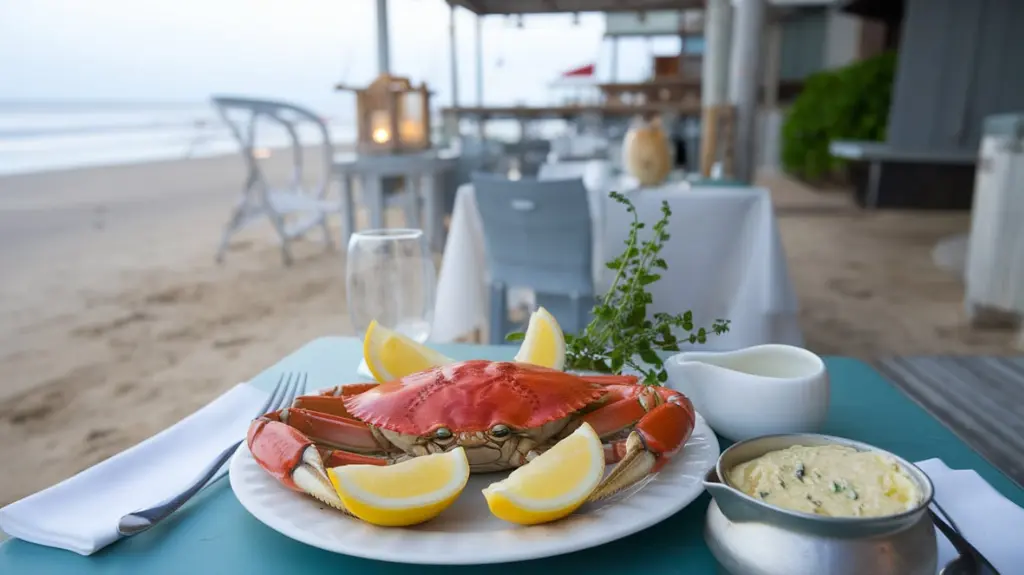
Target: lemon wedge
(554, 484)
(543, 344)
(390, 355)
(403, 494)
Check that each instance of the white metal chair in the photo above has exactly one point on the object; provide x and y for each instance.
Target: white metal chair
(295, 208)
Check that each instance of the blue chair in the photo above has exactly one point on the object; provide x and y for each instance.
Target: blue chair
(537, 234)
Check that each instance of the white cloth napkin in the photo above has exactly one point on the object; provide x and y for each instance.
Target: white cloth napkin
(991, 522)
(81, 513)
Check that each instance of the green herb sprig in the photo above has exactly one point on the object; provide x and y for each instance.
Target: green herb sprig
(620, 333)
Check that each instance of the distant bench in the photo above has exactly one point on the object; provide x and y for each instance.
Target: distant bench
(888, 177)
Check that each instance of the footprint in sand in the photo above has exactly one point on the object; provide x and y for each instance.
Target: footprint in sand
(849, 287)
(98, 329)
(231, 342)
(25, 415)
(179, 294)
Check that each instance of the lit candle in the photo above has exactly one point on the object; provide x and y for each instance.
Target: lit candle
(411, 131)
(379, 127)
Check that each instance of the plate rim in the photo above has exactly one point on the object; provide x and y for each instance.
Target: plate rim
(503, 555)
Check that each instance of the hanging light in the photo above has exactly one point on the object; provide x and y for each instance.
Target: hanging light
(575, 18)
(519, 21)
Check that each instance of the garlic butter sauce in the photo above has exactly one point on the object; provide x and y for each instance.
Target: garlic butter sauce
(828, 480)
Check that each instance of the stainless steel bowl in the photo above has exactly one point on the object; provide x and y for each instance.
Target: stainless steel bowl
(751, 537)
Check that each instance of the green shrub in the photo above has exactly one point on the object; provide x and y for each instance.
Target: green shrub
(849, 103)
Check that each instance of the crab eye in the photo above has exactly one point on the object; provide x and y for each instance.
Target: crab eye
(500, 430)
(443, 433)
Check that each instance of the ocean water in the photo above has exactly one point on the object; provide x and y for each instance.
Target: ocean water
(43, 136)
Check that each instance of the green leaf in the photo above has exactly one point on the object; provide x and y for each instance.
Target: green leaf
(647, 279)
(617, 362)
(515, 336)
(650, 356)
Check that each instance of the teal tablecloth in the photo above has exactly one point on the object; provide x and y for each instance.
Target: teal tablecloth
(214, 534)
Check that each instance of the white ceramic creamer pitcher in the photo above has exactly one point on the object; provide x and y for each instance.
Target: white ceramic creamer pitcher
(754, 391)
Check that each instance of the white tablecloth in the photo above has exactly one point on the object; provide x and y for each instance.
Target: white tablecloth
(725, 260)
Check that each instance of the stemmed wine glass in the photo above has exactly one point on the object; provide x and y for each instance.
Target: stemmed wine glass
(390, 277)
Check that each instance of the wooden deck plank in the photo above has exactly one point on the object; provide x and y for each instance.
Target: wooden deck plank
(981, 399)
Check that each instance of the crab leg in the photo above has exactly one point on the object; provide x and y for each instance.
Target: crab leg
(661, 420)
(347, 390)
(336, 457)
(333, 430)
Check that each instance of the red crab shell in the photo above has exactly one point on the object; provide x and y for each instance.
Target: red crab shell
(473, 395)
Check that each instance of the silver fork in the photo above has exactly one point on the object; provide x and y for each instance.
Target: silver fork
(287, 389)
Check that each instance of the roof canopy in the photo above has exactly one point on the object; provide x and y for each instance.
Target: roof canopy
(487, 7)
(886, 10)
(497, 7)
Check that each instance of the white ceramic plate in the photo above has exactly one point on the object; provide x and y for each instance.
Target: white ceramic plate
(467, 533)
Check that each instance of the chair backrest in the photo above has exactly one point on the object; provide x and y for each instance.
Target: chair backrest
(288, 115)
(537, 233)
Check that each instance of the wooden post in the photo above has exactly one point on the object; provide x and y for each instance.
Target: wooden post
(719, 140)
(709, 140)
(714, 81)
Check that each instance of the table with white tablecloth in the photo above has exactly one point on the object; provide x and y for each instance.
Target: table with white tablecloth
(725, 260)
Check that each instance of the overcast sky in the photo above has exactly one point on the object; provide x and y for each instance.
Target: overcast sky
(292, 49)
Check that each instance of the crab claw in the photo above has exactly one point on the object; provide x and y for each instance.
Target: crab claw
(636, 464)
(291, 458)
(658, 435)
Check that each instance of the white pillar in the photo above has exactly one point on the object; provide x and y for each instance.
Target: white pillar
(383, 54)
(615, 59)
(744, 77)
(717, 32)
(479, 61)
(772, 62)
(452, 52)
(771, 117)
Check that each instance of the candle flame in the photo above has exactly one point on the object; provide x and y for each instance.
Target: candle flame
(381, 136)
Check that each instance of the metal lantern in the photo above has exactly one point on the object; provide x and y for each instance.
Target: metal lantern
(392, 116)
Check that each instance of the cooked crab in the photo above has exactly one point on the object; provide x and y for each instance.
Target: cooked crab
(502, 413)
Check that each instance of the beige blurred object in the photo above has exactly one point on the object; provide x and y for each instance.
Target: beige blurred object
(717, 141)
(646, 153)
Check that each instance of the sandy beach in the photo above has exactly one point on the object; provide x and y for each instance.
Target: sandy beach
(117, 322)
